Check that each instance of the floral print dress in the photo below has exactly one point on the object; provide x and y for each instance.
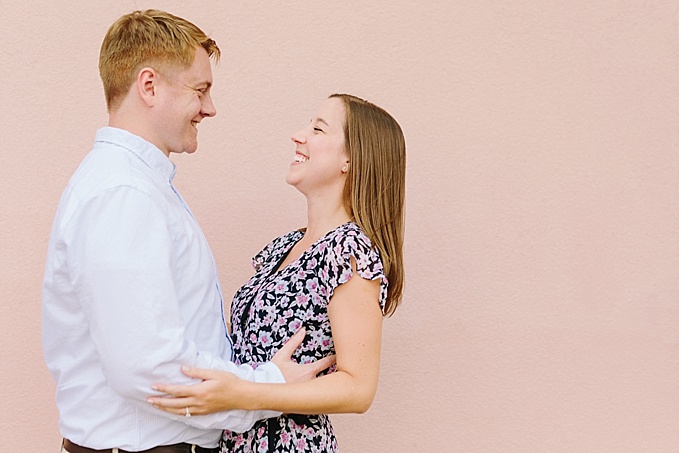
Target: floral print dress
(274, 304)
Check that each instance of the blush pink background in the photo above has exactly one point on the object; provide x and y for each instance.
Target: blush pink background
(542, 304)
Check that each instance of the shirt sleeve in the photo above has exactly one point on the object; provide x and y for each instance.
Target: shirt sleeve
(354, 244)
(123, 265)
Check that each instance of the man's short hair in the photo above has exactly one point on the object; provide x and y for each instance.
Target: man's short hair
(147, 38)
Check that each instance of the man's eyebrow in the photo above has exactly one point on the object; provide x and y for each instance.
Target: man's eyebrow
(204, 84)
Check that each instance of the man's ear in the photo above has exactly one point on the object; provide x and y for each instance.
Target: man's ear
(147, 84)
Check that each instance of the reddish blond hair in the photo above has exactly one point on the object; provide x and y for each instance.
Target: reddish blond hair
(147, 38)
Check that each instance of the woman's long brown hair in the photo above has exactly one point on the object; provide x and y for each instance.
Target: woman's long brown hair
(374, 193)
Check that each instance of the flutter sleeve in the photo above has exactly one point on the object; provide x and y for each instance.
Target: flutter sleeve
(353, 243)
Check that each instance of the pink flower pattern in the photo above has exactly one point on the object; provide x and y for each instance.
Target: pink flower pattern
(298, 294)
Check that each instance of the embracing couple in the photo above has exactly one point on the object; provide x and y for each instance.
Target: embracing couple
(133, 325)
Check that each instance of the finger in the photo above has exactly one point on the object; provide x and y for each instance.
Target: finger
(177, 405)
(292, 344)
(177, 391)
(172, 410)
(200, 373)
(169, 404)
(323, 363)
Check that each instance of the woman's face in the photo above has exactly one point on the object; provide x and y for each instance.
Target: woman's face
(320, 161)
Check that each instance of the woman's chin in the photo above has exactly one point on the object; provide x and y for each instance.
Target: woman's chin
(291, 180)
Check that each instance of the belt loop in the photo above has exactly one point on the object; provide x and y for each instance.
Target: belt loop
(193, 448)
(114, 450)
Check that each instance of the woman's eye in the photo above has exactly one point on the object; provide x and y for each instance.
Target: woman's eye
(318, 129)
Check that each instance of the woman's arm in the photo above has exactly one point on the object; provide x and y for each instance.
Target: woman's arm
(356, 322)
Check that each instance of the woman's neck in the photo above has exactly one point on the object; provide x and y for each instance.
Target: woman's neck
(323, 215)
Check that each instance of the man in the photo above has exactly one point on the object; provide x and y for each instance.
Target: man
(131, 290)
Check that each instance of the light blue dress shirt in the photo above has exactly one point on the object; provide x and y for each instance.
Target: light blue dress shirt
(130, 294)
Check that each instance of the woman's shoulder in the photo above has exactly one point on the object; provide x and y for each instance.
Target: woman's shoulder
(349, 242)
(351, 236)
(284, 239)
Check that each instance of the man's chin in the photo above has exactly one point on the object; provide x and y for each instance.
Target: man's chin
(187, 150)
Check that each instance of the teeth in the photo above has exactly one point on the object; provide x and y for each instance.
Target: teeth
(194, 123)
(300, 158)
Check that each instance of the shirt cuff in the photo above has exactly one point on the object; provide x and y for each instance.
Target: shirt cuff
(270, 373)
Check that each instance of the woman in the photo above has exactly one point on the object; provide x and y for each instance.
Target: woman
(337, 278)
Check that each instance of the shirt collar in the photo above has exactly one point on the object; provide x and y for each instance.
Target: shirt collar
(144, 150)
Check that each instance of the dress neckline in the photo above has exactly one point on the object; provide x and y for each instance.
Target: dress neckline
(278, 269)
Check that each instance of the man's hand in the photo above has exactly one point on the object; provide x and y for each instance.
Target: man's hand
(292, 371)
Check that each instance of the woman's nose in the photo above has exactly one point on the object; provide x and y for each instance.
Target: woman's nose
(298, 137)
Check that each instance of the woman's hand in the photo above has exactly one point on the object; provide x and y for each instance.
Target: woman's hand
(222, 391)
(293, 371)
(219, 391)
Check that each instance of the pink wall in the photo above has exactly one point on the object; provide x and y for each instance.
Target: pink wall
(541, 312)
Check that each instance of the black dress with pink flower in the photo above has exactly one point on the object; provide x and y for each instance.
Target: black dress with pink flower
(274, 304)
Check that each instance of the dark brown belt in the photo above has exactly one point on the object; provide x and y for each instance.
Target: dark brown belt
(176, 448)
